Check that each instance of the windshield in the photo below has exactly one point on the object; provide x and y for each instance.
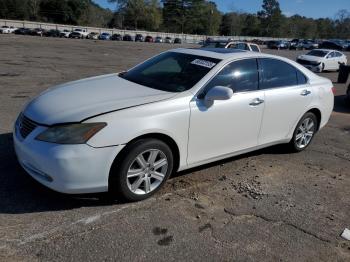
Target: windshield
(215, 44)
(171, 71)
(318, 53)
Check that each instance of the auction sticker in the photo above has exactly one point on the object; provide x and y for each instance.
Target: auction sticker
(204, 63)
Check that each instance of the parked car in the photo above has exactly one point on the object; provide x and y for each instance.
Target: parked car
(149, 39)
(104, 36)
(93, 36)
(139, 38)
(79, 33)
(158, 39)
(309, 45)
(258, 41)
(128, 38)
(293, 44)
(53, 33)
(177, 41)
(22, 31)
(168, 40)
(116, 37)
(232, 44)
(65, 33)
(127, 133)
(209, 43)
(37, 32)
(7, 29)
(281, 44)
(334, 45)
(319, 60)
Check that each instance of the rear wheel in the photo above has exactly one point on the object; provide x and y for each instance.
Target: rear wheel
(304, 132)
(143, 168)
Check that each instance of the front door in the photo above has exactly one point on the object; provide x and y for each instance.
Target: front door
(227, 126)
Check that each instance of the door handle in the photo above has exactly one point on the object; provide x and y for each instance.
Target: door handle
(256, 102)
(305, 92)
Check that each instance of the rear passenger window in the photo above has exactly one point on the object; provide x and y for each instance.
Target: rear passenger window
(255, 48)
(240, 76)
(302, 80)
(276, 73)
(337, 54)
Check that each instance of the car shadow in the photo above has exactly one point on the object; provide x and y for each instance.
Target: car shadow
(20, 194)
(341, 104)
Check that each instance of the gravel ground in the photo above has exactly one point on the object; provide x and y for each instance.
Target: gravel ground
(267, 205)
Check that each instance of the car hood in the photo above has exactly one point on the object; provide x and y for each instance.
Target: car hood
(310, 58)
(78, 100)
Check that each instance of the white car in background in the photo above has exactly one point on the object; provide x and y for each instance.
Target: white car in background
(231, 44)
(319, 60)
(127, 133)
(65, 33)
(7, 29)
(79, 33)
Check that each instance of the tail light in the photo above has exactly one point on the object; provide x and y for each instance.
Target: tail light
(334, 90)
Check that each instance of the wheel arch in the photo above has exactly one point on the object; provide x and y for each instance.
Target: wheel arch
(318, 115)
(160, 136)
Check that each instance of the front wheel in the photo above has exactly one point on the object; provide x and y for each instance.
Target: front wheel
(143, 168)
(304, 132)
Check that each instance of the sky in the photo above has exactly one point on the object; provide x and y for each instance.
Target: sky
(308, 8)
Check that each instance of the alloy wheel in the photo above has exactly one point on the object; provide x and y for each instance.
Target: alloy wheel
(305, 132)
(147, 171)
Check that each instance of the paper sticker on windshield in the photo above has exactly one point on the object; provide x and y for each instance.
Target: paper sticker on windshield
(204, 63)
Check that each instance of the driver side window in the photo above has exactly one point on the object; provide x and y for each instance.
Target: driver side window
(240, 76)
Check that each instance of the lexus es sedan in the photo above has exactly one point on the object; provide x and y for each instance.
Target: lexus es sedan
(127, 133)
(319, 60)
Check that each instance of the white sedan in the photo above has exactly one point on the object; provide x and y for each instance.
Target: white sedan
(127, 133)
(319, 60)
(7, 29)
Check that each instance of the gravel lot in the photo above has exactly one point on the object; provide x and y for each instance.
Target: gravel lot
(266, 206)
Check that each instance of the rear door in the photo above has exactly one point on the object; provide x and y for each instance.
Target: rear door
(287, 96)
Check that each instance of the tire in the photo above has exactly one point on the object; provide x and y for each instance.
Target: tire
(304, 132)
(322, 69)
(134, 176)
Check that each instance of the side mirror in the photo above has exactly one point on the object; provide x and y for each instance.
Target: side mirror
(219, 93)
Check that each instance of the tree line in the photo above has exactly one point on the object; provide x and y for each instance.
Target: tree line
(179, 16)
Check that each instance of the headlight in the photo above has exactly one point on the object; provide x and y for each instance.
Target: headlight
(70, 133)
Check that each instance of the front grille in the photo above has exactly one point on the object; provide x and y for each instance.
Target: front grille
(25, 125)
(306, 62)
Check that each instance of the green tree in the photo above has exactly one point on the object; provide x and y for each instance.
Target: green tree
(153, 20)
(63, 11)
(132, 10)
(325, 28)
(175, 15)
(342, 24)
(271, 18)
(251, 26)
(232, 24)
